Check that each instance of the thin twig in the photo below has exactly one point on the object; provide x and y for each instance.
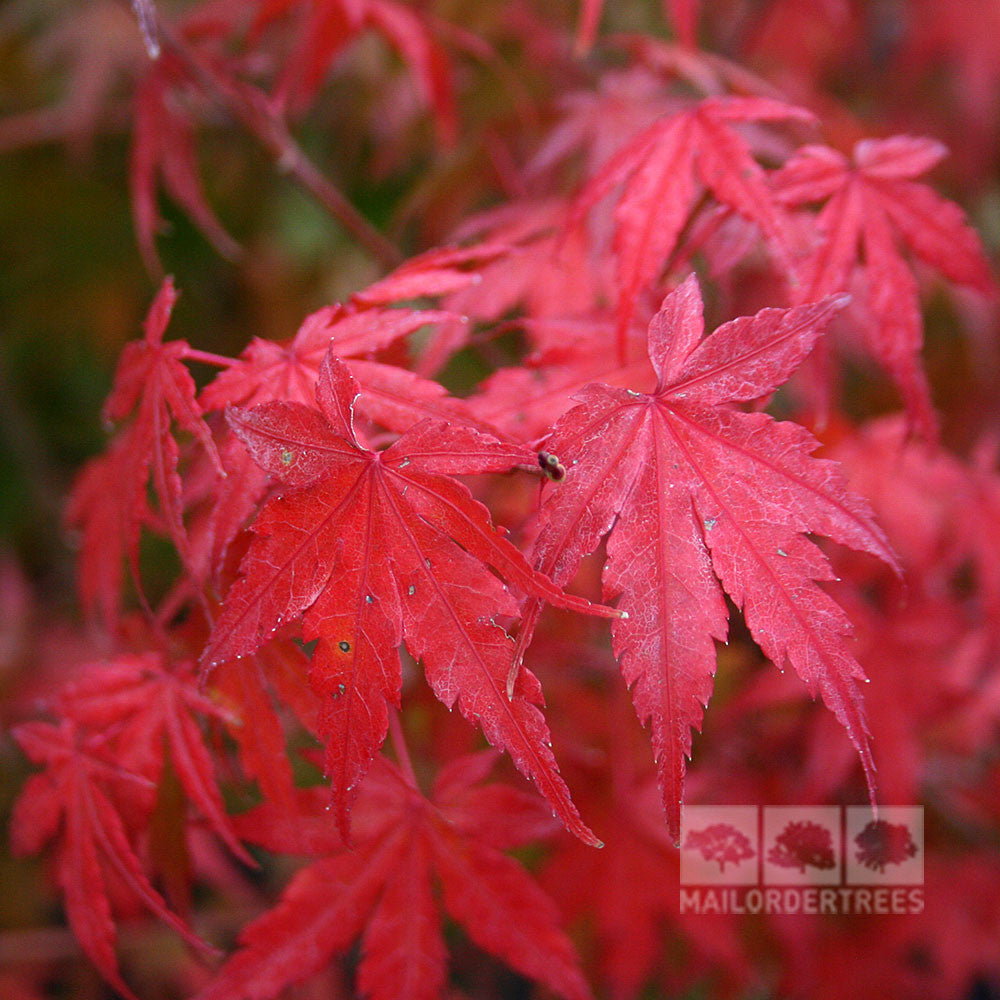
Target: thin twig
(251, 107)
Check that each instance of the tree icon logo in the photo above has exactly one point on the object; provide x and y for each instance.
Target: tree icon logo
(721, 843)
(803, 844)
(883, 843)
(884, 849)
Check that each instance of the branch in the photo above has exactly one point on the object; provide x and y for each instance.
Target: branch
(251, 107)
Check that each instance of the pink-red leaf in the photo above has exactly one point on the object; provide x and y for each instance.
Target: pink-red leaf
(694, 494)
(871, 207)
(384, 887)
(153, 386)
(77, 800)
(365, 547)
(151, 711)
(662, 170)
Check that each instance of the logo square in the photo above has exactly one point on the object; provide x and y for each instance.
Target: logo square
(802, 845)
(719, 845)
(887, 849)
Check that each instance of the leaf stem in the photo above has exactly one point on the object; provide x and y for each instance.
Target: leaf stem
(399, 745)
(207, 358)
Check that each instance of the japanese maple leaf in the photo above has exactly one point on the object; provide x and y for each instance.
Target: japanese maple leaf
(394, 397)
(531, 275)
(163, 149)
(374, 547)
(360, 329)
(331, 25)
(699, 497)
(382, 891)
(598, 121)
(150, 711)
(109, 501)
(75, 801)
(934, 711)
(663, 172)
(245, 687)
(872, 209)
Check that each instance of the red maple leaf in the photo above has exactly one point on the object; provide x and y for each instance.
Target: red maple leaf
(662, 172)
(109, 516)
(871, 207)
(625, 895)
(540, 273)
(360, 330)
(163, 149)
(382, 891)
(329, 26)
(597, 122)
(150, 712)
(696, 493)
(110, 502)
(375, 547)
(87, 800)
(255, 722)
(393, 396)
(527, 399)
(922, 717)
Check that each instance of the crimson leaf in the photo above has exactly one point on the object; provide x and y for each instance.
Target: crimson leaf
(381, 890)
(696, 494)
(375, 547)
